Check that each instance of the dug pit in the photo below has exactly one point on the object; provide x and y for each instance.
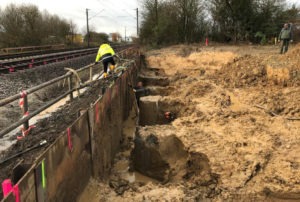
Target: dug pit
(154, 109)
(159, 154)
(155, 106)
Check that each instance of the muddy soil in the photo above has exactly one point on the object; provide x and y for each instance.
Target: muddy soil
(239, 106)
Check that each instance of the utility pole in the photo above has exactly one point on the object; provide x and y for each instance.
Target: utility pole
(87, 27)
(137, 22)
(125, 34)
(156, 13)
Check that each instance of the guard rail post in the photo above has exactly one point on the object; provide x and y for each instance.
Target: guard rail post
(91, 72)
(70, 82)
(25, 111)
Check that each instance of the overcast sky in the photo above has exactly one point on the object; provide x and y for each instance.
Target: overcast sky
(105, 15)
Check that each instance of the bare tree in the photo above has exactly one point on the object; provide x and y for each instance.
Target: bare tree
(189, 12)
(172, 21)
(32, 24)
(26, 25)
(240, 20)
(73, 30)
(12, 22)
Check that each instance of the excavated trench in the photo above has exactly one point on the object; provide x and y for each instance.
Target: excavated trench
(201, 118)
(150, 154)
(158, 153)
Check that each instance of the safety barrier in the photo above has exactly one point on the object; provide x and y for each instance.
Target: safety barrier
(87, 148)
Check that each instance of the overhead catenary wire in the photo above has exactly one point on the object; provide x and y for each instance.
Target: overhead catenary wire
(117, 6)
(111, 8)
(96, 14)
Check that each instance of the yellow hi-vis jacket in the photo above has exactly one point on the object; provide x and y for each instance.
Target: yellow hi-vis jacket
(104, 49)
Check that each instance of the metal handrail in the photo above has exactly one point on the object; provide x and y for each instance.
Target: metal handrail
(27, 118)
(32, 90)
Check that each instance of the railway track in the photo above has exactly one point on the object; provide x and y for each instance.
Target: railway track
(35, 53)
(26, 62)
(12, 65)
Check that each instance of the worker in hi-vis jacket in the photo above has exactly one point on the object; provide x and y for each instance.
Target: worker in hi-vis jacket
(106, 54)
(286, 35)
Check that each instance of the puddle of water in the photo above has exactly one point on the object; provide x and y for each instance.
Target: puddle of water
(121, 166)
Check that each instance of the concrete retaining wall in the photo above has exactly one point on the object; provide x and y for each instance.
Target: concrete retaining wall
(87, 148)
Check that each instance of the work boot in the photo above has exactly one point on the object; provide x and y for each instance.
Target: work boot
(112, 67)
(104, 75)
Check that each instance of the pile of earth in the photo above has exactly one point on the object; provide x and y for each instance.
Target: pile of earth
(294, 53)
(280, 101)
(243, 71)
(255, 70)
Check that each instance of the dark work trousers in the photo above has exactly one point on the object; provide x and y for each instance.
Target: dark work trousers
(108, 58)
(285, 46)
(140, 92)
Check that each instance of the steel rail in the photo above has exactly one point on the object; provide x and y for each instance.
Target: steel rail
(11, 66)
(30, 62)
(35, 53)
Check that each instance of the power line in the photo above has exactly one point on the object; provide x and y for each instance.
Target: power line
(111, 9)
(129, 13)
(96, 14)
